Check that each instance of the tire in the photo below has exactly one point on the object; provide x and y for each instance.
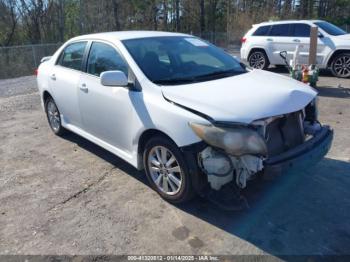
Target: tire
(258, 60)
(340, 65)
(172, 182)
(54, 117)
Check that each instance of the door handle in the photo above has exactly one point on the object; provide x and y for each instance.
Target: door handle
(84, 88)
(269, 39)
(296, 40)
(53, 77)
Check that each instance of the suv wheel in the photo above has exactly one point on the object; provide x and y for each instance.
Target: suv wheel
(340, 65)
(166, 170)
(54, 117)
(258, 60)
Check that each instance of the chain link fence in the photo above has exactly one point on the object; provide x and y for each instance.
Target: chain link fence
(18, 61)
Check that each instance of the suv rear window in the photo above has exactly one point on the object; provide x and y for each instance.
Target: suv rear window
(262, 30)
(279, 30)
(300, 30)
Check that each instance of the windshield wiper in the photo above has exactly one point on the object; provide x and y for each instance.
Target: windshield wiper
(173, 81)
(212, 75)
(217, 74)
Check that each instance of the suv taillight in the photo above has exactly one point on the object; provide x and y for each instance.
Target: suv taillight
(243, 40)
(36, 71)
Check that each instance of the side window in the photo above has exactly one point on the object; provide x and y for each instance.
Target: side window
(301, 30)
(262, 30)
(104, 57)
(72, 56)
(280, 30)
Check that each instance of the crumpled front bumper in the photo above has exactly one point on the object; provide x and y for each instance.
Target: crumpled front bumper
(302, 156)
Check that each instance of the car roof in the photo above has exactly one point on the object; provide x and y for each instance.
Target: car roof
(124, 35)
(287, 22)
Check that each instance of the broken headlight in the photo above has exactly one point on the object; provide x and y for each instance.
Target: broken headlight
(236, 141)
(311, 111)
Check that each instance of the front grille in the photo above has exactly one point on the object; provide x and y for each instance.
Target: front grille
(284, 133)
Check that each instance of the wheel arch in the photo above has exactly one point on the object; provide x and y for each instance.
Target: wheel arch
(198, 179)
(142, 141)
(258, 49)
(46, 94)
(335, 53)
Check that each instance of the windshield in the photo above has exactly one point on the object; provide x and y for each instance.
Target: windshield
(179, 60)
(330, 28)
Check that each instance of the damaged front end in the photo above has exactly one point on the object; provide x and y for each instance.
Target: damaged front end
(238, 153)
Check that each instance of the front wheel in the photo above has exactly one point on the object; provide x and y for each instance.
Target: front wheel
(258, 60)
(340, 65)
(166, 170)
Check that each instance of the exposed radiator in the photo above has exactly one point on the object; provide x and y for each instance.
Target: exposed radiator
(285, 133)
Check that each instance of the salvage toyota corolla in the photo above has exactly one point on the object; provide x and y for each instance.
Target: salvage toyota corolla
(189, 114)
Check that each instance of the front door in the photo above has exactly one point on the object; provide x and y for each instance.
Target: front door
(106, 111)
(301, 37)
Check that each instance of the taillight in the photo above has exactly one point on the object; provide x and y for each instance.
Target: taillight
(243, 40)
(36, 71)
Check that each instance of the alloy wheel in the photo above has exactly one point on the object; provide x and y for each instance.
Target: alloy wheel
(341, 66)
(257, 60)
(165, 170)
(53, 115)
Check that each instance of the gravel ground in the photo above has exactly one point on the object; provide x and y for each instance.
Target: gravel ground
(68, 196)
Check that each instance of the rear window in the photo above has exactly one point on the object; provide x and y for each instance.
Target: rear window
(262, 30)
(72, 56)
(280, 30)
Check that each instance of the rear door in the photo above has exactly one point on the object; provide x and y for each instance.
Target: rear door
(64, 81)
(280, 39)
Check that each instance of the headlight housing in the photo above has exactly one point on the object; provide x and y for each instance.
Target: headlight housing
(236, 141)
(311, 110)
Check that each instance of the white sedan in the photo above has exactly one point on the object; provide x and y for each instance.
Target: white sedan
(182, 109)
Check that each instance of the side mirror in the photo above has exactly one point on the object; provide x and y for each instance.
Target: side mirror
(113, 78)
(320, 35)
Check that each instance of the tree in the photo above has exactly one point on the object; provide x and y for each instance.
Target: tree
(8, 21)
(41, 21)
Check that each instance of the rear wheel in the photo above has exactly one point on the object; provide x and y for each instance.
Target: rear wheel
(258, 60)
(166, 170)
(54, 117)
(340, 65)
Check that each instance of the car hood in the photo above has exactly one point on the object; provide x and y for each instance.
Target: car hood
(243, 98)
(344, 37)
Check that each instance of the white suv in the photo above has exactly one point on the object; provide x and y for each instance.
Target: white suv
(182, 109)
(262, 44)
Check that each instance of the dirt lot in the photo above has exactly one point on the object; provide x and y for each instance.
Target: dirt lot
(68, 196)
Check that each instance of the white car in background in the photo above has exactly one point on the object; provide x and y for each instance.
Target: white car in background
(184, 110)
(262, 44)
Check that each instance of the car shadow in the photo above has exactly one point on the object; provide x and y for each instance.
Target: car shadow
(105, 155)
(339, 92)
(325, 91)
(302, 212)
(284, 70)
